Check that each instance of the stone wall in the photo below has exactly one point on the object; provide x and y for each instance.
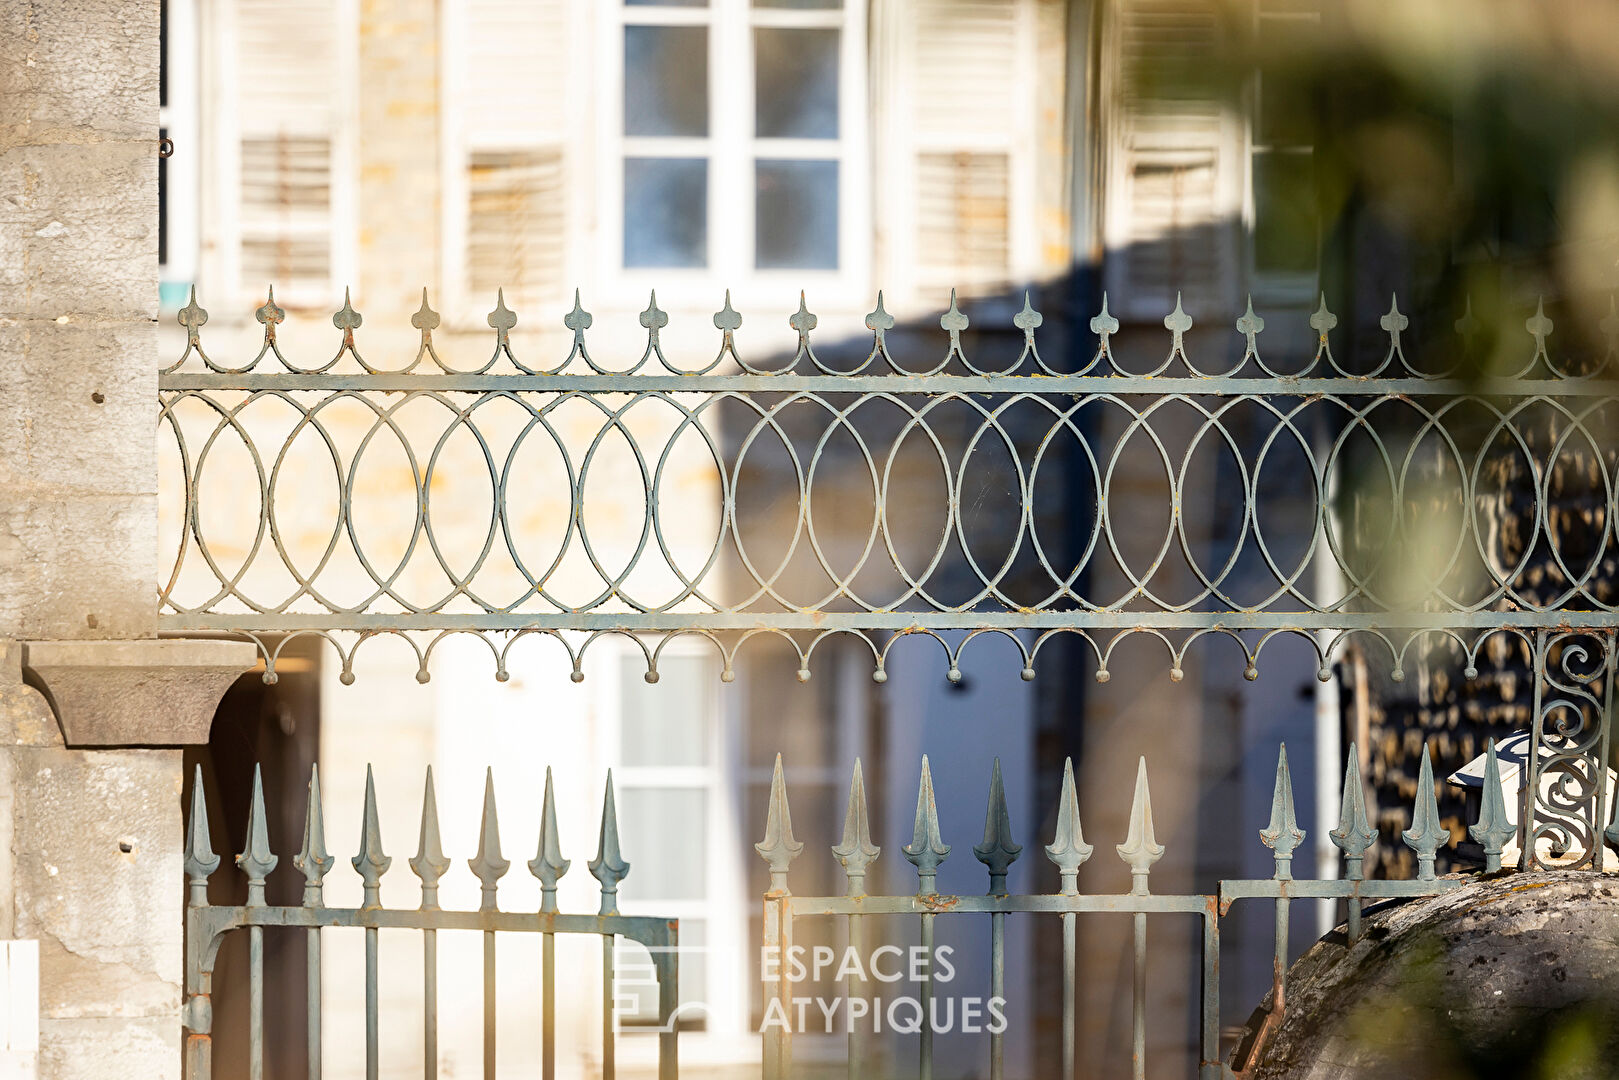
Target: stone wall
(90, 837)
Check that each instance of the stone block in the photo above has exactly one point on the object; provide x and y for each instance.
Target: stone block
(97, 872)
(147, 1047)
(77, 404)
(78, 230)
(77, 568)
(64, 83)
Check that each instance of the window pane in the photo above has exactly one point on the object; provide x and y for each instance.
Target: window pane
(665, 80)
(668, 723)
(665, 212)
(796, 218)
(801, 4)
(1284, 213)
(664, 834)
(796, 83)
(665, 3)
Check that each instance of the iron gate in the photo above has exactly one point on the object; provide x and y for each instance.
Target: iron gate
(207, 925)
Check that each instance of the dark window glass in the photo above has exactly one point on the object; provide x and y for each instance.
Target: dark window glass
(795, 83)
(796, 215)
(1285, 220)
(665, 212)
(665, 3)
(665, 80)
(162, 204)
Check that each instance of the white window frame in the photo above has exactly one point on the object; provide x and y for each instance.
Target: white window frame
(1275, 287)
(221, 259)
(731, 148)
(179, 119)
(724, 909)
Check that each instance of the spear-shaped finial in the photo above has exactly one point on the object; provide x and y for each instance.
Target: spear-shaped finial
(609, 867)
(200, 860)
(256, 860)
(487, 864)
(1068, 848)
(1177, 322)
(778, 848)
(1354, 834)
(1425, 834)
(1140, 848)
(998, 852)
(370, 862)
(856, 852)
(313, 860)
(1283, 834)
(927, 850)
(429, 863)
(548, 864)
(1494, 827)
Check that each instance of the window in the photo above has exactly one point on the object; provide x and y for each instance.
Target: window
(739, 137)
(675, 820)
(285, 75)
(177, 175)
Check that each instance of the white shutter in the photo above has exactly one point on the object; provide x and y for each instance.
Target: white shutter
(1174, 198)
(971, 102)
(515, 224)
(963, 221)
(511, 114)
(287, 93)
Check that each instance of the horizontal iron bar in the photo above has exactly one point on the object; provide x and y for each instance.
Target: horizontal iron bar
(1338, 889)
(807, 906)
(897, 621)
(649, 930)
(1157, 386)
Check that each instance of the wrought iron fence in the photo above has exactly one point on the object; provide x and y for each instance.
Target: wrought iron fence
(208, 924)
(1239, 500)
(1069, 850)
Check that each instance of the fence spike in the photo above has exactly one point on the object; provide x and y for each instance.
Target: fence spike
(269, 313)
(998, 851)
(487, 864)
(1068, 848)
(856, 852)
(1104, 325)
(1028, 320)
(200, 860)
(802, 320)
(1140, 848)
(609, 867)
(727, 319)
(1354, 835)
(778, 848)
(927, 850)
(313, 860)
(548, 864)
(1250, 326)
(1283, 834)
(1494, 828)
(879, 321)
(429, 863)
(1539, 326)
(1425, 834)
(370, 862)
(1323, 320)
(256, 859)
(347, 319)
(1177, 322)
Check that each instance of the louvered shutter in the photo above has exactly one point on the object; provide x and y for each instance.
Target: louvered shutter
(1174, 195)
(512, 118)
(967, 96)
(287, 96)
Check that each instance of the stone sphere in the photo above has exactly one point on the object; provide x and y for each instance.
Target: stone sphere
(1513, 976)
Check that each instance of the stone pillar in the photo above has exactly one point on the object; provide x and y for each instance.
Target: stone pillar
(90, 828)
